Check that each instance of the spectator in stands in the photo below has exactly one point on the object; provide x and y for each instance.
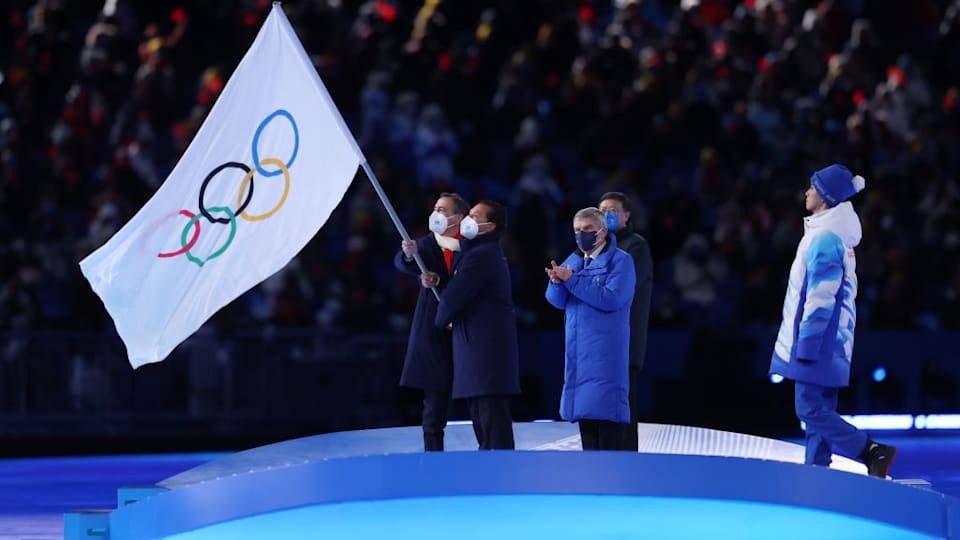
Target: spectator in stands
(669, 102)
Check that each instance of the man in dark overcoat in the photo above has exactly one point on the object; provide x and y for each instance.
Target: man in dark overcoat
(478, 306)
(616, 210)
(428, 365)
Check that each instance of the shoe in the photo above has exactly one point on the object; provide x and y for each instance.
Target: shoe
(878, 458)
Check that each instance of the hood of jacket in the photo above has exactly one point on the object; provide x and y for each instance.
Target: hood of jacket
(841, 220)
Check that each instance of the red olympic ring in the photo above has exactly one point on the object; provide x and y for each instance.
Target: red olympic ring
(196, 236)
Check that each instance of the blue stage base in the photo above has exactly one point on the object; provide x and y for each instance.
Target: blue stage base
(525, 494)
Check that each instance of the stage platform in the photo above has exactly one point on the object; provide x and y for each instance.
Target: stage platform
(653, 438)
(685, 483)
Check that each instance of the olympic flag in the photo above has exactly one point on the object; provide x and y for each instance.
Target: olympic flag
(267, 167)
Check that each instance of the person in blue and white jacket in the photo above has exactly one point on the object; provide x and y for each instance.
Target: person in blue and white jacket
(815, 343)
(595, 287)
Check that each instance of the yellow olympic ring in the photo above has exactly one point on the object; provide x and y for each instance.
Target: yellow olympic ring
(249, 176)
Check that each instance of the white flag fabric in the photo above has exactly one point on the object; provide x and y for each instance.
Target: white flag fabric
(267, 167)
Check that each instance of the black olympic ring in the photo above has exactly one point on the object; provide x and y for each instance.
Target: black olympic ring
(203, 188)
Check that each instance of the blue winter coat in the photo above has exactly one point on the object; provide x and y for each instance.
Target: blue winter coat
(479, 303)
(820, 311)
(596, 300)
(429, 361)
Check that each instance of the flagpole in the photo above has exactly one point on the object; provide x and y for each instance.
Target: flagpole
(277, 7)
(393, 217)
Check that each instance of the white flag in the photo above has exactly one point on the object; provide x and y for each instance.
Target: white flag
(264, 172)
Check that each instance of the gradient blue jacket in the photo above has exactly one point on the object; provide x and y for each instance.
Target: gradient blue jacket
(596, 301)
(815, 342)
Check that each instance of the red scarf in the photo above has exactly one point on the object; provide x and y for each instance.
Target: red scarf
(448, 255)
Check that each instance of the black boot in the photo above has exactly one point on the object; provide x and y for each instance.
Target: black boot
(878, 458)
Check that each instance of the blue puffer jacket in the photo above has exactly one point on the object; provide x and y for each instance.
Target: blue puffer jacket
(820, 311)
(597, 321)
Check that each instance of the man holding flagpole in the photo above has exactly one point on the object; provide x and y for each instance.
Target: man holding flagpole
(429, 364)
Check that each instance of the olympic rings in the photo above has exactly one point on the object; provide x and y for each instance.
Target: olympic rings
(249, 178)
(242, 202)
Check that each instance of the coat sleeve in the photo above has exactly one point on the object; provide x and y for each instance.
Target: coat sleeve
(557, 295)
(423, 248)
(824, 262)
(404, 266)
(613, 293)
(463, 289)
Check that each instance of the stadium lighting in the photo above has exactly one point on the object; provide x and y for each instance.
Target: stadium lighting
(880, 421)
(902, 422)
(942, 421)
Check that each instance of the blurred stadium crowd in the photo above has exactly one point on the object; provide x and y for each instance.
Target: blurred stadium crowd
(711, 114)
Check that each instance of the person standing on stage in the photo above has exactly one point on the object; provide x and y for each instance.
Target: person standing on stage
(815, 344)
(595, 287)
(478, 304)
(616, 210)
(429, 361)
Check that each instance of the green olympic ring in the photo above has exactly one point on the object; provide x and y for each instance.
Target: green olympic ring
(219, 251)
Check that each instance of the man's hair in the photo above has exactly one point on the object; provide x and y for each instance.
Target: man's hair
(594, 213)
(460, 205)
(617, 196)
(497, 215)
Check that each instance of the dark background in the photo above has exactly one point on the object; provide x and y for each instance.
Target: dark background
(710, 116)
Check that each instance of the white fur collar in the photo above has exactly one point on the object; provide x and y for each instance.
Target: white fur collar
(447, 243)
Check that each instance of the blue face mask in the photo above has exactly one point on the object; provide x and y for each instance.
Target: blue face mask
(613, 220)
(586, 240)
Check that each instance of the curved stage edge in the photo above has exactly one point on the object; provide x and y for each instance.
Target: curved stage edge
(312, 487)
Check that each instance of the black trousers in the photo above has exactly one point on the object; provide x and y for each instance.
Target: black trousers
(630, 437)
(435, 407)
(603, 435)
(492, 422)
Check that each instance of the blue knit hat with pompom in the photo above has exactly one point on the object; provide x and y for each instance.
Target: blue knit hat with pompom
(836, 184)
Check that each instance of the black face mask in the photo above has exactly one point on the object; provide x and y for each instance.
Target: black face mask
(586, 240)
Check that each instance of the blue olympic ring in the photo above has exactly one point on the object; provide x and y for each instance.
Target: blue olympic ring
(256, 139)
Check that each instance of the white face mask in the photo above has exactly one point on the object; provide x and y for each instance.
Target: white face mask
(439, 223)
(469, 227)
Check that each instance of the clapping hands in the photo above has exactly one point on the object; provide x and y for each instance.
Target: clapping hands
(558, 274)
